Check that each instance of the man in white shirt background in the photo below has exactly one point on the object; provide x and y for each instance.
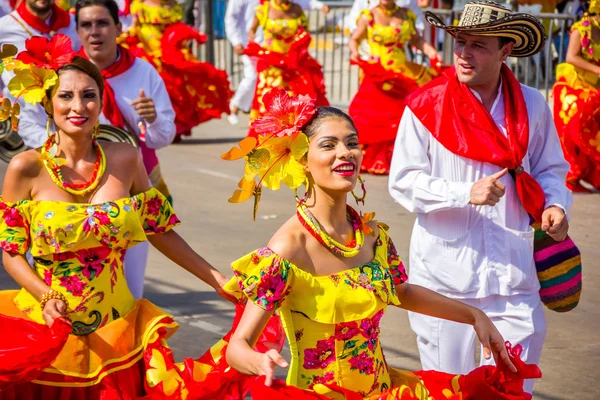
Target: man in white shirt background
(238, 20)
(464, 142)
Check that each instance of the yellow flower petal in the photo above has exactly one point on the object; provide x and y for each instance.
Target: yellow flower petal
(32, 83)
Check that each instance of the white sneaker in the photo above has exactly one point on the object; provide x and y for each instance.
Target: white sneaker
(233, 119)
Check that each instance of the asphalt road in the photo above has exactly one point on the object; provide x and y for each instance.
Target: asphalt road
(221, 232)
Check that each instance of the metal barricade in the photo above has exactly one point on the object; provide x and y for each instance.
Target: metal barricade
(330, 36)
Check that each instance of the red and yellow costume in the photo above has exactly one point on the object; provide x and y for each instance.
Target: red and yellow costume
(388, 78)
(576, 105)
(283, 60)
(198, 91)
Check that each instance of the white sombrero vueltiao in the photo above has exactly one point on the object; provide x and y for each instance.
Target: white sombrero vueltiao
(488, 18)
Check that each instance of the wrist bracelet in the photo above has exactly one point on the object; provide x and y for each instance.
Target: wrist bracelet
(53, 294)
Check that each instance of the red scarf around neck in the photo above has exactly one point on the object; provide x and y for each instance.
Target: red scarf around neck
(59, 19)
(460, 122)
(110, 107)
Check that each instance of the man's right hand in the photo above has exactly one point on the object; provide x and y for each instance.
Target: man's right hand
(488, 190)
(238, 49)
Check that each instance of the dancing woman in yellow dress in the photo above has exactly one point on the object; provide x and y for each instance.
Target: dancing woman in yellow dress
(283, 60)
(329, 271)
(577, 101)
(389, 77)
(198, 91)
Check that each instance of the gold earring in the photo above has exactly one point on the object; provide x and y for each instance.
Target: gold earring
(49, 133)
(306, 191)
(96, 131)
(364, 189)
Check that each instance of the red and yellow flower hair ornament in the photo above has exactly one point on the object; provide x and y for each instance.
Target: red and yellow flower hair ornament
(35, 71)
(275, 155)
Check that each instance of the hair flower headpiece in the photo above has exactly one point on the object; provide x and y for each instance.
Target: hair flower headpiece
(276, 155)
(35, 71)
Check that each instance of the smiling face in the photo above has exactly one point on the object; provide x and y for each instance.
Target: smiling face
(98, 33)
(76, 103)
(478, 59)
(334, 157)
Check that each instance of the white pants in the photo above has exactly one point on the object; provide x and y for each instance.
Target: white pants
(245, 92)
(136, 259)
(450, 347)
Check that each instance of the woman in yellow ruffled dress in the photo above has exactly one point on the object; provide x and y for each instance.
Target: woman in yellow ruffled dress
(577, 102)
(77, 205)
(283, 60)
(198, 91)
(329, 271)
(388, 79)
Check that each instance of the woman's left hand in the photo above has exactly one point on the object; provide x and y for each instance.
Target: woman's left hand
(492, 340)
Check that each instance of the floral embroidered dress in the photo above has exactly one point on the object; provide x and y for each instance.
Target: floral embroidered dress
(198, 91)
(117, 346)
(389, 77)
(283, 60)
(331, 322)
(576, 103)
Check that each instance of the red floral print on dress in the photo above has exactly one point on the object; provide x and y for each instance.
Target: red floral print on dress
(321, 356)
(73, 284)
(346, 330)
(363, 363)
(92, 261)
(153, 206)
(13, 218)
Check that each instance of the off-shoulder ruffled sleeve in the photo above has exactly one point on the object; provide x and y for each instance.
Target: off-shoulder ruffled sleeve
(155, 211)
(262, 277)
(14, 227)
(395, 265)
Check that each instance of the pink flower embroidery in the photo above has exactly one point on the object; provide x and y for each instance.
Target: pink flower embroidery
(272, 286)
(370, 329)
(48, 276)
(92, 261)
(363, 363)
(173, 220)
(73, 284)
(346, 330)
(13, 218)
(321, 356)
(585, 41)
(98, 218)
(153, 206)
(11, 247)
(328, 377)
(152, 227)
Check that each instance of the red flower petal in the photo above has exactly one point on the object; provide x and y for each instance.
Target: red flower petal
(286, 115)
(44, 53)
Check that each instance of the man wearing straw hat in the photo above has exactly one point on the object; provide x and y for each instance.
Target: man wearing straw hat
(476, 155)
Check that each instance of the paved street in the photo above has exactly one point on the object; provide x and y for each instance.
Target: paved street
(201, 183)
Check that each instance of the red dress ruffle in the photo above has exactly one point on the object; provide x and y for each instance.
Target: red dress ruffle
(198, 91)
(579, 136)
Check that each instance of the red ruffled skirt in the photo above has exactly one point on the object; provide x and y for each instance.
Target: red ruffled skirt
(577, 119)
(377, 108)
(483, 383)
(126, 359)
(198, 91)
(296, 72)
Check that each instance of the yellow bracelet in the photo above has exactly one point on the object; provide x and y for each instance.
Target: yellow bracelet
(53, 294)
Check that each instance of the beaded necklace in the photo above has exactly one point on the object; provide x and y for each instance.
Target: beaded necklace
(389, 12)
(313, 226)
(281, 7)
(53, 166)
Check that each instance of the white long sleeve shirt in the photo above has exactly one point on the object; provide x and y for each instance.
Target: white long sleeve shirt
(467, 251)
(12, 32)
(240, 14)
(127, 87)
